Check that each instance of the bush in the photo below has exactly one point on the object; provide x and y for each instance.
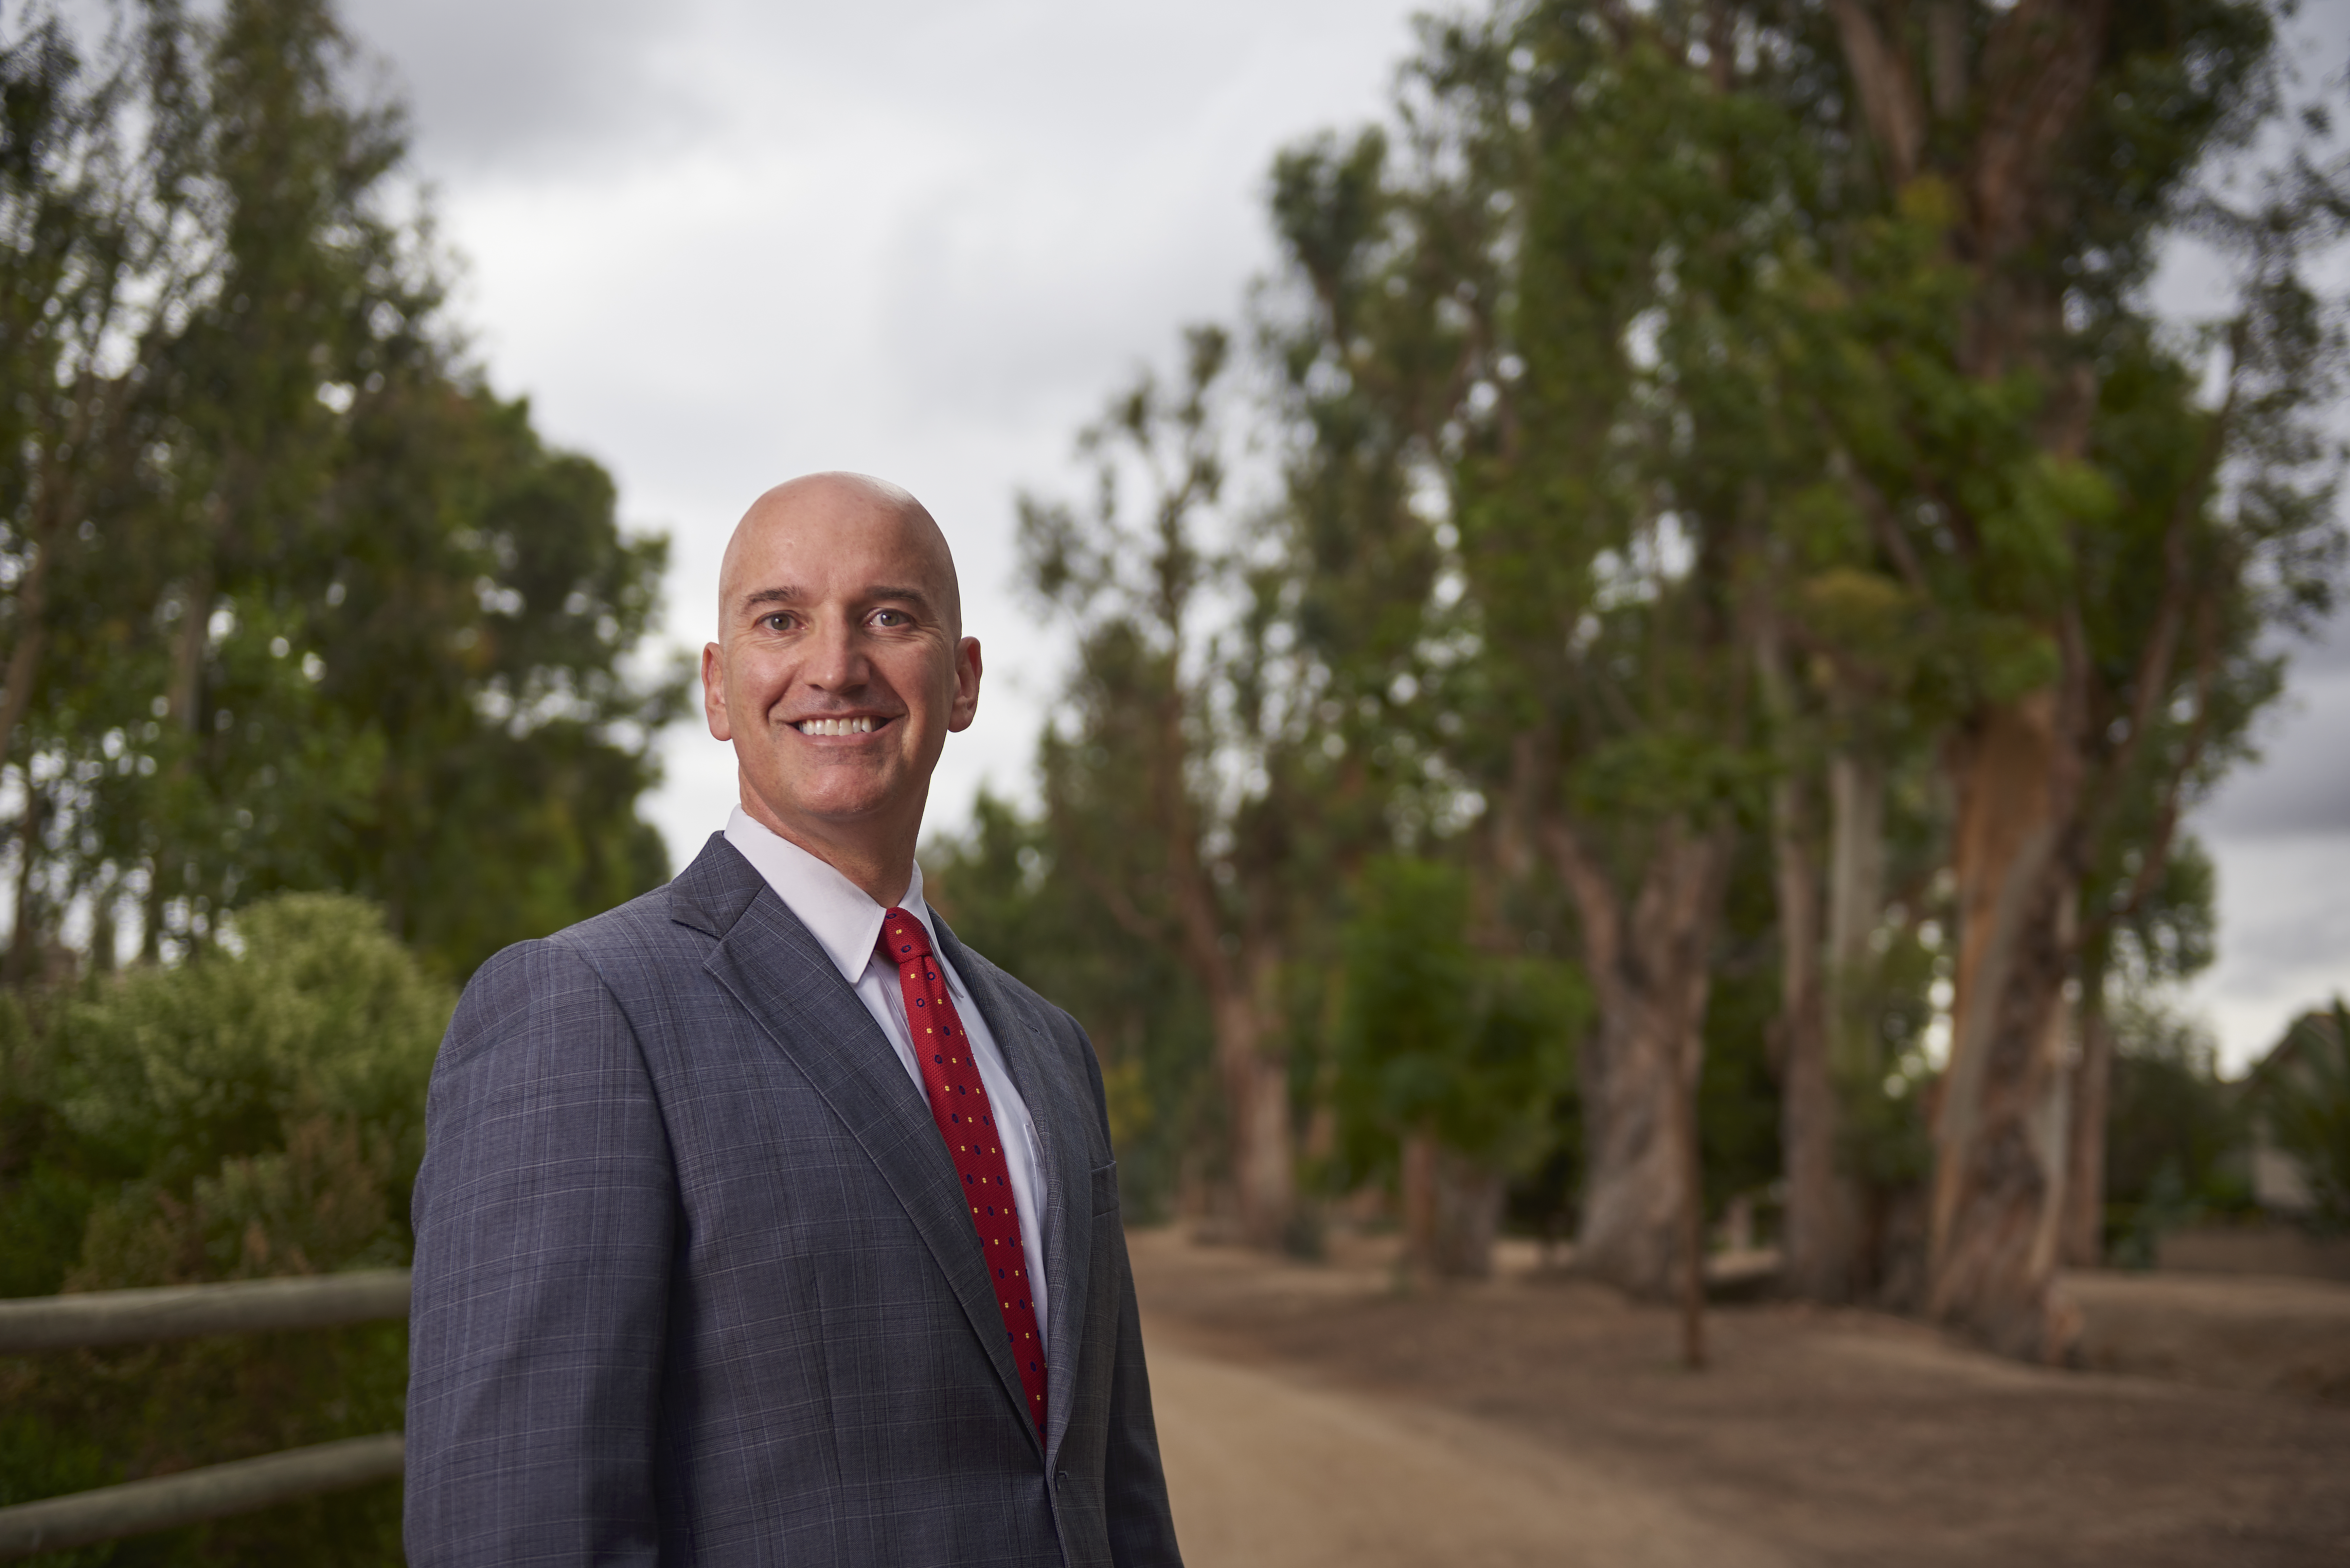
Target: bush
(251, 1113)
(2174, 1135)
(1468, 1051)
(2305, 1091)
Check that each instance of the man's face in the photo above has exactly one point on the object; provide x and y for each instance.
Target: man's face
(839, 670)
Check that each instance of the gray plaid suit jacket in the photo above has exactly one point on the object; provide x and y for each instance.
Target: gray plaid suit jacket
(695, 1283)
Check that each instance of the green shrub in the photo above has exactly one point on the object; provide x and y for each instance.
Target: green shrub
(2306, 1098)
(251, 1113)
(1435, 1037)
(2175, 1131)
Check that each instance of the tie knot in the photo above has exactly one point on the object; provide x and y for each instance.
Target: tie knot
(903, 938)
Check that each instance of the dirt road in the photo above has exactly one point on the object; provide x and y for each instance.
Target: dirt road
(1267, 1472)
(1316, 1415)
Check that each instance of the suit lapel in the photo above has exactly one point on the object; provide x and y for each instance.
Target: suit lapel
(782, 976)
(1066, 1222)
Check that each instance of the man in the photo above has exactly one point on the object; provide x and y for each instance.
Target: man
(761, 1221)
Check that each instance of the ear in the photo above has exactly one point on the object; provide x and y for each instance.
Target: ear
(714, 692)
(966, 672)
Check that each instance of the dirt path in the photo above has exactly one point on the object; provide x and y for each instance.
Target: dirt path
(1316, 1416)
(1266, 1471)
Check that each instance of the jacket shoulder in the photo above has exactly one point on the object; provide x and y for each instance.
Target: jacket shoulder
(654, 934)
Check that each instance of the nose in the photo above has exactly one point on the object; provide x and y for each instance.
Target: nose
(836, 658)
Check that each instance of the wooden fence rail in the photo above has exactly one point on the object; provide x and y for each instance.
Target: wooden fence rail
(191, 1311)
(214, 1492)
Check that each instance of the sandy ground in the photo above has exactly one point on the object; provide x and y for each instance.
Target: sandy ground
(1268, 1471)
(1317, 1415)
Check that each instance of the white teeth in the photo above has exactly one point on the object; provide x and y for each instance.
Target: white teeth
(836, 727)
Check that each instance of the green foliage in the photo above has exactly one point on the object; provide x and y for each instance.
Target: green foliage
(294, 601)
(1436, 1037)
(2174, 1148)
(171, 1072)
(257, 1112)
(2306, 1100)
(1000, 888)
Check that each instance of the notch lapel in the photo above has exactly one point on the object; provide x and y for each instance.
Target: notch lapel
(782, 976)
(1061, 1116)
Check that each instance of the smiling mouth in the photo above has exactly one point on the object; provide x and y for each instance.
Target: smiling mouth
(838, 726)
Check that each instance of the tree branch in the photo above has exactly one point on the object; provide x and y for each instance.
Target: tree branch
(1888, 96)
(2152, 677)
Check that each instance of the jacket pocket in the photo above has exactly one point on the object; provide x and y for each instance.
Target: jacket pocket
(1105, 1185)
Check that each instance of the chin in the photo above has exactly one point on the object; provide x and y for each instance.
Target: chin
(839, 802)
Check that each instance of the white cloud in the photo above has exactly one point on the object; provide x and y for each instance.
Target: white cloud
(721, 243)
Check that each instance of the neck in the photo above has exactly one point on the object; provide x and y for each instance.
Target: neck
(878, 857)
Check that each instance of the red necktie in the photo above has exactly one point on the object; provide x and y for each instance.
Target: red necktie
(959, 1102)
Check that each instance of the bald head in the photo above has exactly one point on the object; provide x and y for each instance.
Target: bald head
(835, 508)
(840, 669)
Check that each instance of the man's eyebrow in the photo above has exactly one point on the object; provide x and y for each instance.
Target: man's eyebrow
(791, 594)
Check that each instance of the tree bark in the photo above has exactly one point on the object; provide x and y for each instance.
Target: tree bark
(2092, 1092)
(25, 939)
(2000, 1131)
(1887, 90)
(1692, 1227)
(1815, 1247)
(1256, 1100)
(24, 655)
(1856, 905)
(1451, 1210)
(1648, 965)
(1240, 987)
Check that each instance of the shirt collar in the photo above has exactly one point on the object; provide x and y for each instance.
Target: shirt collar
(841, 915)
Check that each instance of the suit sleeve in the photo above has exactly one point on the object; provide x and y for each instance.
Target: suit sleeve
(545, 1217)
(1134, 1492)
(1134, 1483)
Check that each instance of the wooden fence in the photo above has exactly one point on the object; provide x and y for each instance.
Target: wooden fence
(189, 1312)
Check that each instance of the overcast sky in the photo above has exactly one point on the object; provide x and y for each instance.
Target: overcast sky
(720, 242)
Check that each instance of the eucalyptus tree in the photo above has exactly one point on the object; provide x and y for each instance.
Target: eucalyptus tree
(1573, 239)
(291, 600)
(2095, 548)
(1243, 730)
(1155, 784)
(1803, 425)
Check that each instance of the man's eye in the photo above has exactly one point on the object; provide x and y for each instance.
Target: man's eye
(775, 622)
(890, 618)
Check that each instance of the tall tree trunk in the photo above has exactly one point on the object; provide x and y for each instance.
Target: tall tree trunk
(183, 705)
(1649, 966)
(24, 654)
(2085, 1183)
(1815, 1249)
(1816, 1245)
(1856, 905)
(23, 959)
(61, 487)
(1852, 1058)
(1451, 1210)
(1256, 1102)
(2001, 1125)
(1240, 973)
(1692, 1216)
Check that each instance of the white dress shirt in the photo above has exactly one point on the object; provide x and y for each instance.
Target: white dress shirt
(847, 923)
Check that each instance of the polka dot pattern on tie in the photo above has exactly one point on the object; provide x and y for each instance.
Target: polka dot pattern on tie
(959, 1103)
